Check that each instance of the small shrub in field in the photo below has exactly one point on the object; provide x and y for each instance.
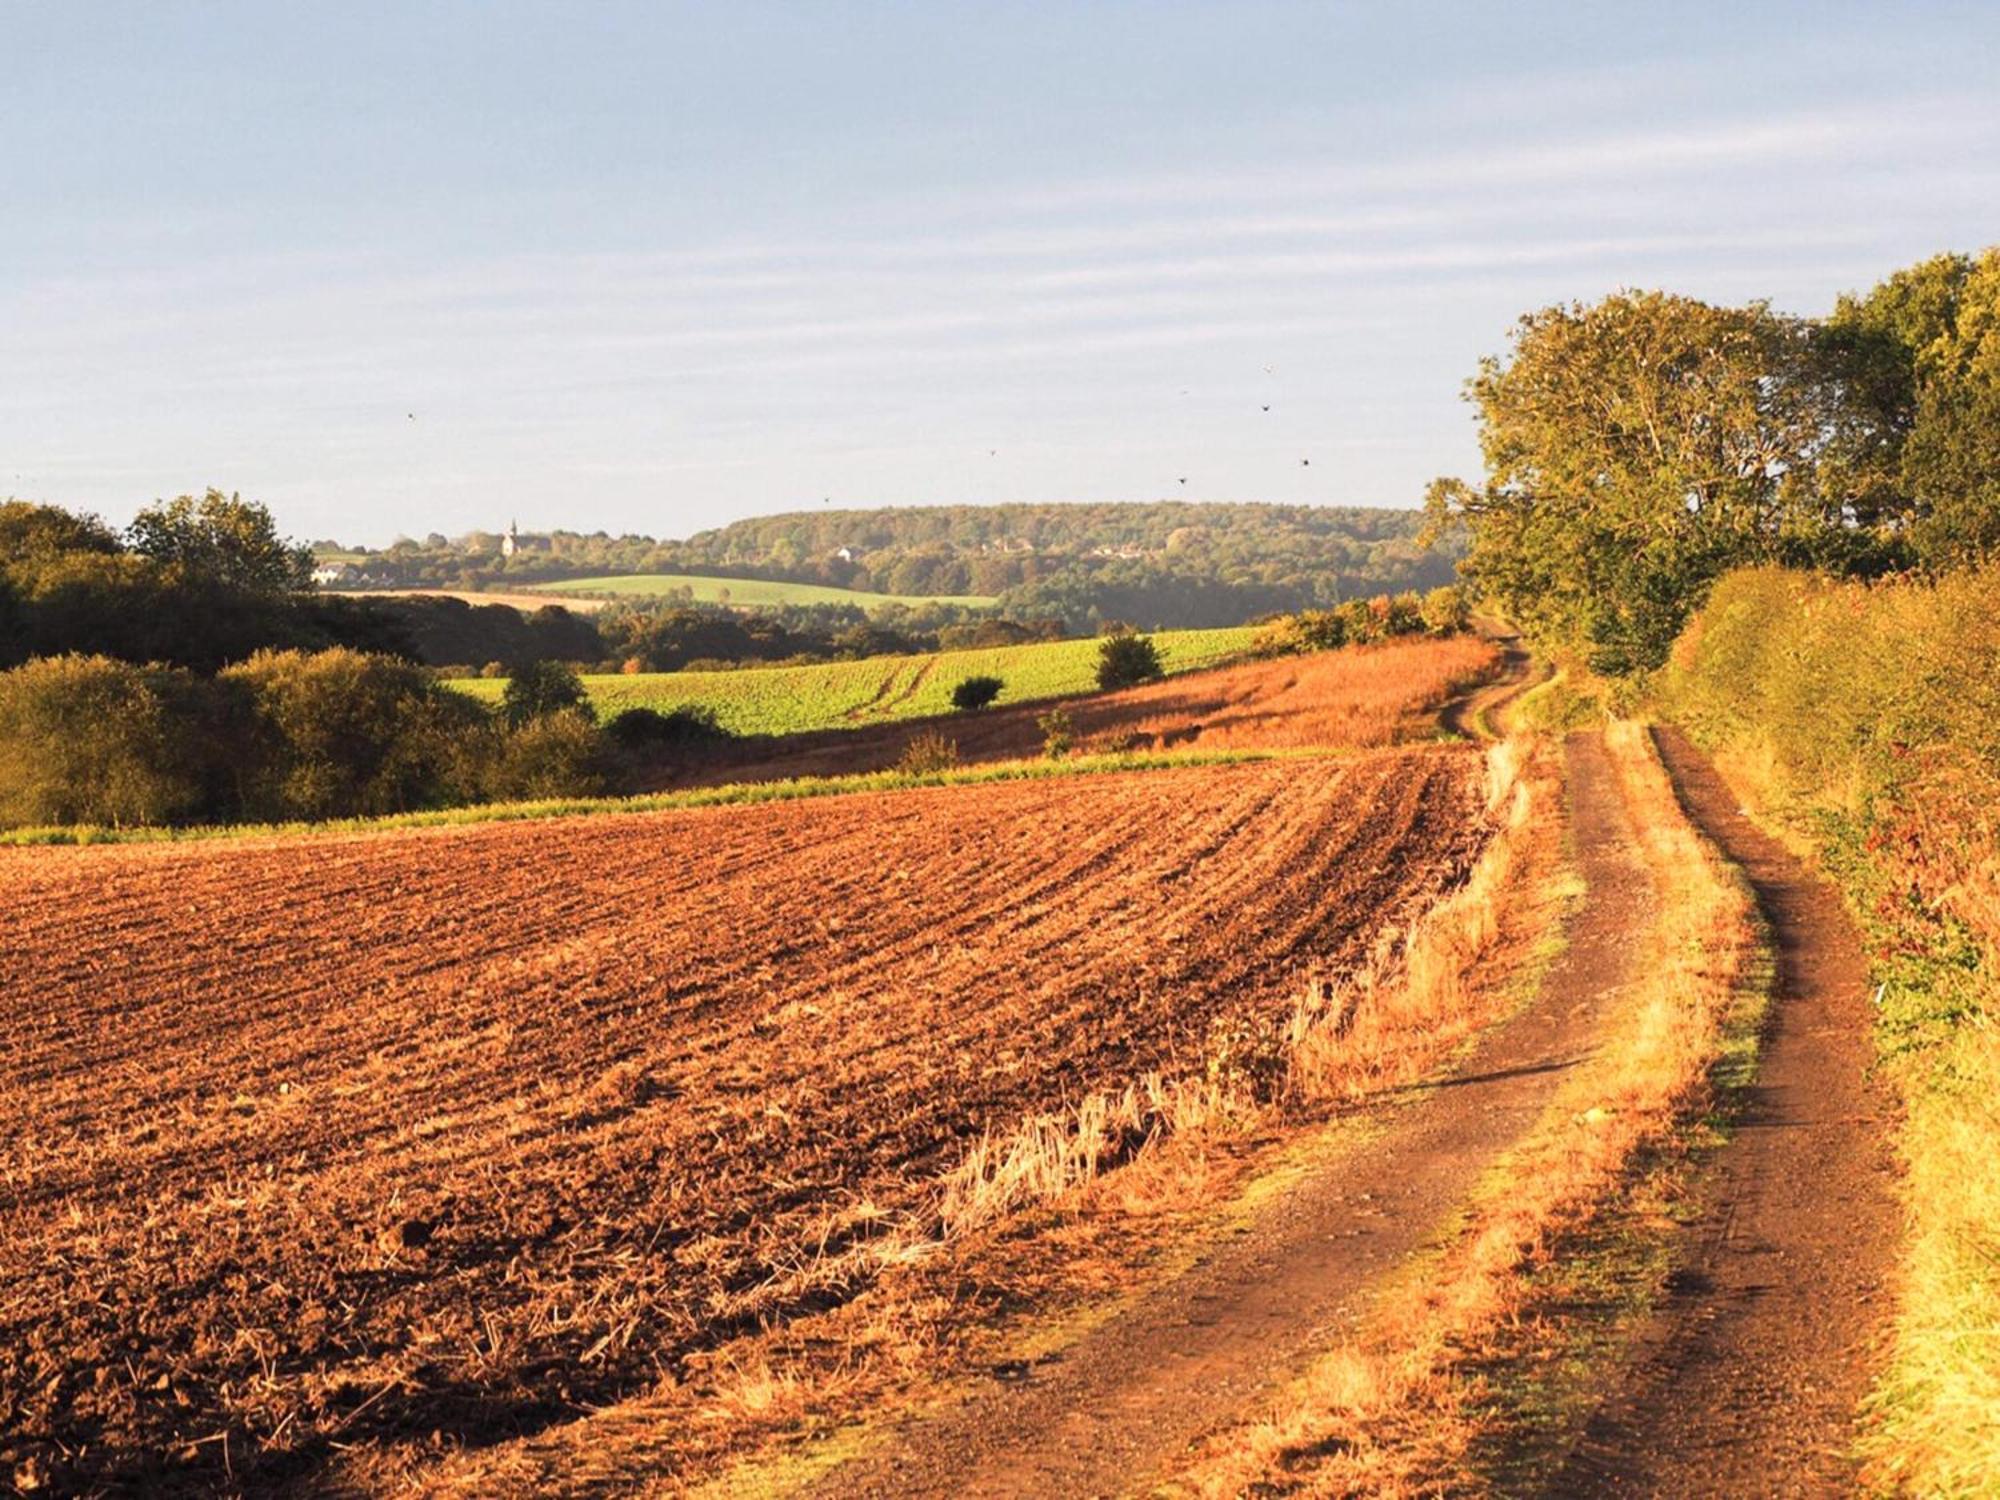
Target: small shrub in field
(551, 755)
(1446, 610)
(1279, 636)
(1294, 635)
(1058, 733)
(976, 692)
(1401, 614)
(1357, 623)
(927, 754)
(1246, 1054)
(539, 688)
(679, 728)
(1322, 630)
(1125, 660)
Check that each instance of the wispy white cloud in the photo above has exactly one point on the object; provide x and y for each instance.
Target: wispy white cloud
(1840, 136)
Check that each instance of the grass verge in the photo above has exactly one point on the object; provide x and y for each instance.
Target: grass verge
(1861, 720)
(1932, 1421)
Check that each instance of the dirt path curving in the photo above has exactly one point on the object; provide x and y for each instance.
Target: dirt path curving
(1472, 714)
(1107, 1415)
(1750, 1378)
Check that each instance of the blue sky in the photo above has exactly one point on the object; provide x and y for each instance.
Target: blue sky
(396, 268)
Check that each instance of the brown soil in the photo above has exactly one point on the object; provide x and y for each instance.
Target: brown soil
(1748, 1382)
(340, 1143)
(1125, 1402)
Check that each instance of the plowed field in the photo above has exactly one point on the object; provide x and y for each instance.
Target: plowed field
(320, 1143)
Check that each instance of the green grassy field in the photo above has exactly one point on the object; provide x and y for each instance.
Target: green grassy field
(843, 694)
(748, 592)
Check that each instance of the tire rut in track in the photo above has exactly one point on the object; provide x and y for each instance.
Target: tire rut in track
(1749, 1377)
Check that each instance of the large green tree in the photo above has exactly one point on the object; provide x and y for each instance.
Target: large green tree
(1924, 347)
(1637, 447)
(222, 539)
(34, 533)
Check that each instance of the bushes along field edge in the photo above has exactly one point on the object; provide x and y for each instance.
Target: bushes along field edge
(283, 736)
(730, 794)
(289, 736)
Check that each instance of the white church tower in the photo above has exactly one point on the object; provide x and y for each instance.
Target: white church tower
(511, 542)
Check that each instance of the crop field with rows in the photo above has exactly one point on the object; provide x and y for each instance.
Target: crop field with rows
(835, 695)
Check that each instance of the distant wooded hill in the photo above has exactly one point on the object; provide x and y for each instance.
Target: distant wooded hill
(1153, 564)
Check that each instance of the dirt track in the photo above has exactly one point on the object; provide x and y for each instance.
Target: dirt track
(1472, 714)
(1773, 1324)
(1105, 1417)
(354, 1140)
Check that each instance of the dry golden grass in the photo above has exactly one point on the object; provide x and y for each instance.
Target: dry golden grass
(1937, 1421)
(1412, 1003)
(1394, 1411)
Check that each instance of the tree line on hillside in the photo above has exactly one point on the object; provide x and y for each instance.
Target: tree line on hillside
(1639, 447)
(185, 671)
(194, 582)
(1170, 564)
(201, 582)
(655, 636)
